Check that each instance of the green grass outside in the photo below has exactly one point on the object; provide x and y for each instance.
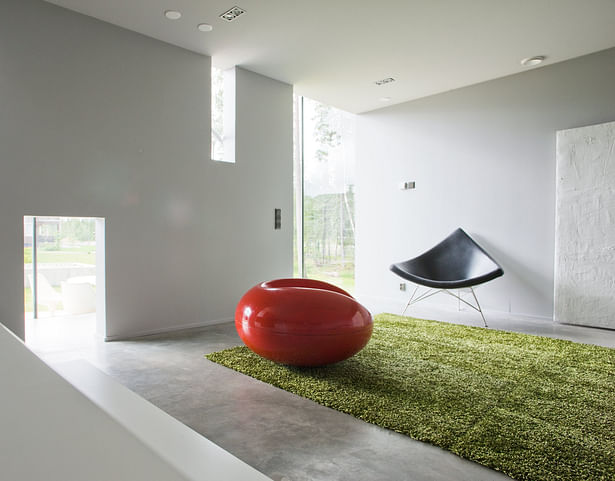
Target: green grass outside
(80, 254)
(332, 273)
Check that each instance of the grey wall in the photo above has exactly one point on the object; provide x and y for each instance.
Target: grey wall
(99, 121)
(483, 158)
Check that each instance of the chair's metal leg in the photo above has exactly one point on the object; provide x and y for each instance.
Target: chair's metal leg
(479, 308)
(430, 292)
(409, 300)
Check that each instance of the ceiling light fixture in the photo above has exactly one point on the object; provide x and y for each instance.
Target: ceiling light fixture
(532, 61)
(385, 99)
(172, 14)
(384, 81)
(204, 27)
(232, 13)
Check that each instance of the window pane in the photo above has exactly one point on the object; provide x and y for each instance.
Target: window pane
(217, 114)
(65, 254)
(328, 196)
(297, 186)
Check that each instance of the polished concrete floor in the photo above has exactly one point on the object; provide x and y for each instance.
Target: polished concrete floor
(281, 434)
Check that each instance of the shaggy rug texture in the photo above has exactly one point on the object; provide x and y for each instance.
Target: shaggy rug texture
(532, 407)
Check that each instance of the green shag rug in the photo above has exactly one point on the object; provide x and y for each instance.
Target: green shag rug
(532, 407)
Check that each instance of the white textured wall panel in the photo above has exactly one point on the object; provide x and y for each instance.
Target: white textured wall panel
(585, 227)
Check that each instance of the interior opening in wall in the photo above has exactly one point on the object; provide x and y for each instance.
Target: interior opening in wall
(64, 281)
(324, 179)
(223, 115)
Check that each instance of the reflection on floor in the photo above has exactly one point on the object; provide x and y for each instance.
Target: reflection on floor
(280, 434)
(61, 337)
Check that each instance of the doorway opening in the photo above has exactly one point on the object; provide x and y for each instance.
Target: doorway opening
(64, 281)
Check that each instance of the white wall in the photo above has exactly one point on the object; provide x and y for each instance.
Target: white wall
(103, 122)
(95, 428)
(584, 230)
(483, 158)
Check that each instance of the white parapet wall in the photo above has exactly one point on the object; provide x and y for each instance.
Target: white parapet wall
(77, 423)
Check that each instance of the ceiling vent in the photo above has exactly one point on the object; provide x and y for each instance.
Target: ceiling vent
(384, 81)
(232, 13)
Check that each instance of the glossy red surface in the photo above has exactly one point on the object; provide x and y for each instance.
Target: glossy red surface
(302, 322)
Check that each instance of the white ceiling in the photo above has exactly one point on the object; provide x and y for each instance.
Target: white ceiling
(333, 50)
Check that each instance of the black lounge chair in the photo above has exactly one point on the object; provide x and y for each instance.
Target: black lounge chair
(455, 263)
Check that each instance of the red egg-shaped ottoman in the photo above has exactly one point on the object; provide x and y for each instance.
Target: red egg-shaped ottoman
(302, 322)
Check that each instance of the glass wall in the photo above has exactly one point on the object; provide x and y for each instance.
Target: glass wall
(59, 266)
(326, 229)
(217, 114)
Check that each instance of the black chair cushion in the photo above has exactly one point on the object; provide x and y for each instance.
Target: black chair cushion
(454, 263)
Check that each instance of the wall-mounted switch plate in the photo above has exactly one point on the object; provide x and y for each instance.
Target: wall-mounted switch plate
(277, 219)
(402, 286)
(407, 185)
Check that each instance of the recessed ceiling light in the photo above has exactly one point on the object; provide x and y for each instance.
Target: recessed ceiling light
(532, 61)
(384, 81)
(385, 99)
(204, 27)
(232, 13)
(172, 14)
